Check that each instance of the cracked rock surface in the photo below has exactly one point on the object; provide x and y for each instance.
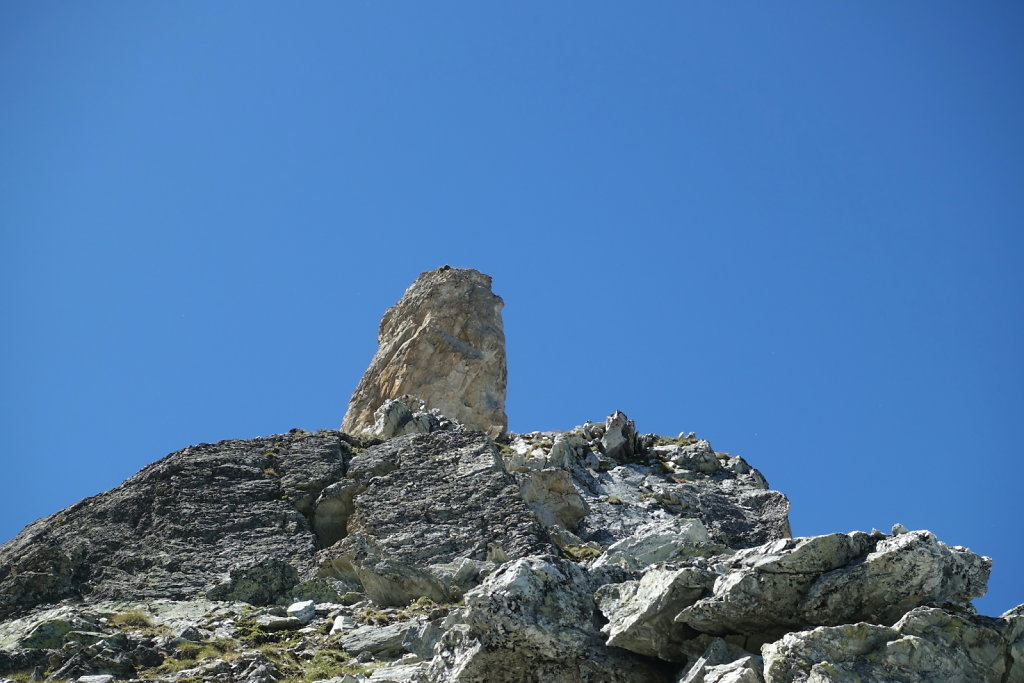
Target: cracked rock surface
(441, 554)
(444, 343)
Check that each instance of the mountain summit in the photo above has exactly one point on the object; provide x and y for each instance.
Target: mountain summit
(424, 543)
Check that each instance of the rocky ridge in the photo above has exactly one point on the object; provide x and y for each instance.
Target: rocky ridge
(598, 554)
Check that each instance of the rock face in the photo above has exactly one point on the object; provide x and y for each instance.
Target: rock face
(443, 343)
(430, 552)
(177, 528)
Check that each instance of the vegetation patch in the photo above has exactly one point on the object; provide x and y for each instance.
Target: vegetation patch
(581, 553)
(132, 619)
(660, 440)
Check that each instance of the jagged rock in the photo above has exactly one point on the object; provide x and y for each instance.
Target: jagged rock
(641, 613)
(698, 457)
(724, 663)
(1014, 634)
(272, 622)
(429, 499)
(902, 572)
(380, 641)
(697, 571)
(50, 632)
(254, 667)
(761, 593)
(533, 620)
(730, 498)
(927, 644)
(619, 440)
(443, 342)
(834, 579)
(398, 673)
(664, 540)
(550, 493)
(177, 527)
(396, 418)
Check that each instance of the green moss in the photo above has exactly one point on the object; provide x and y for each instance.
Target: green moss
(613, 500)
(581, 553)
(249, 633)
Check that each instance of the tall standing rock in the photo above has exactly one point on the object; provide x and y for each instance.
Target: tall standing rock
(443, 343)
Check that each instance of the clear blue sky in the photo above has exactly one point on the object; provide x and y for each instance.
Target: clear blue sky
(795, 229)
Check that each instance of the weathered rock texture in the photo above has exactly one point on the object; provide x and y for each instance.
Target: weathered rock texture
(443, 343)
(180, 525)
(440, 555)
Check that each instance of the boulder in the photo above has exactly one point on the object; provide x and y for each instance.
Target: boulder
(836, 579)
(550, 493)
(379, 641)
(927, 644)
(534, 620)
(303, 611)
(641, 614)
(395, 417)
(443, 342)
(724, 663)
(665, 540)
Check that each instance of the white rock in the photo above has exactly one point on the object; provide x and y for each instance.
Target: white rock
(303, 611)
(343, 623)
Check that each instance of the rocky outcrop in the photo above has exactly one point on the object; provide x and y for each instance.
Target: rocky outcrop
(179, 526)
(432, 553)
(535, 621)
(927, 644)
(432, 512)
(444, 343)
(756, 595)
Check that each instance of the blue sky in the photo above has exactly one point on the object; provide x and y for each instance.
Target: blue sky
(794, 229)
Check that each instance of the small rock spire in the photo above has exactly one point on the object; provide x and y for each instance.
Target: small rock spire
(443, 342)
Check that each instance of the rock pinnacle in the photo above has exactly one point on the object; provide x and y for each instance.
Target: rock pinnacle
(444, 344)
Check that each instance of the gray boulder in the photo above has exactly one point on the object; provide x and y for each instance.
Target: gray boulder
(759, 594)
(926, 645)
(665, 540)
(835, 579)
(534, 621)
